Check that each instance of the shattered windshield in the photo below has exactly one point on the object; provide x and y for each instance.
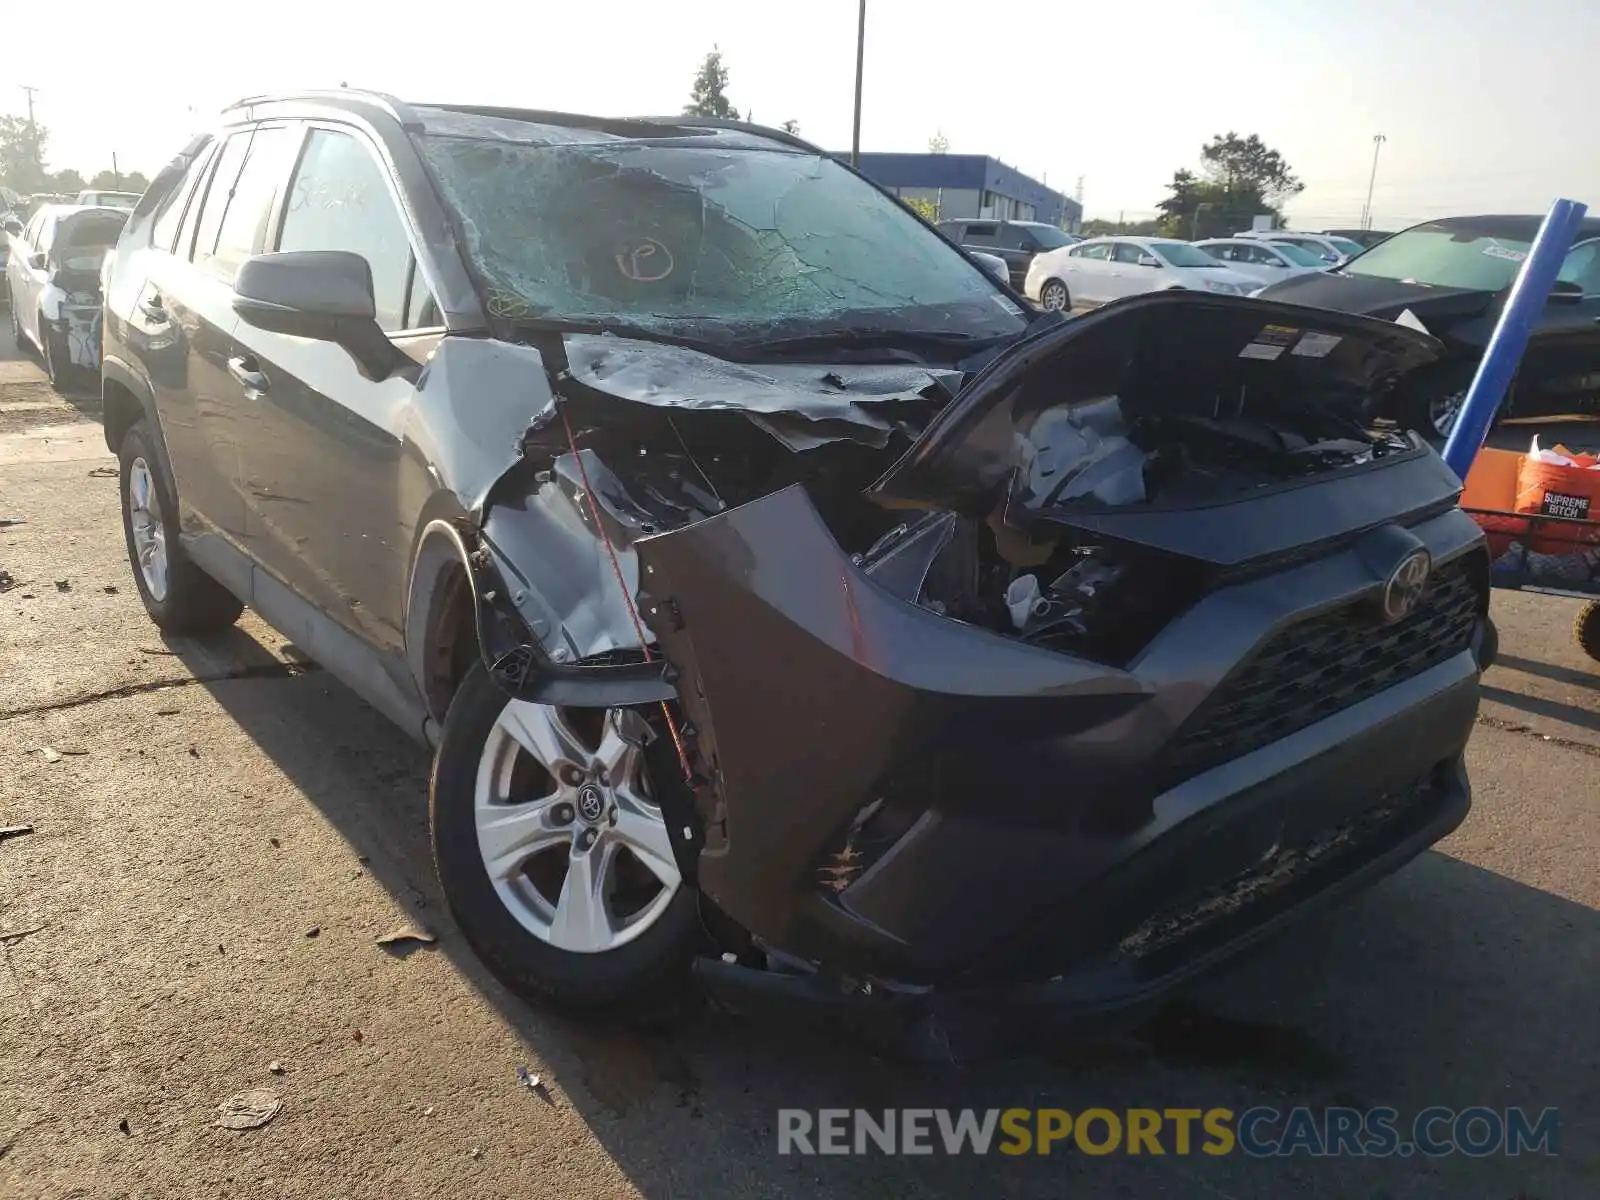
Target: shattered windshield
(726, 242)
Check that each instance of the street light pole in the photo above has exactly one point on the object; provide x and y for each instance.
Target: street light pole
(33, 137)
(861, 50)
(1366, 213)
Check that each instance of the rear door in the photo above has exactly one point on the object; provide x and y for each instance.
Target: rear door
(28, 280)
(1090, 269)
(1017, 246)
(1560, 373)
(322, 460)
(1127, 277)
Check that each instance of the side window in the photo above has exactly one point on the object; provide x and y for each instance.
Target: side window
(1100, 252)
(985, 234)
(1225, 253)
(340, 200)
(216, 199)
(1582, 267)
(164, 231)
(1127, 252)
(30, 231)
(244, 223)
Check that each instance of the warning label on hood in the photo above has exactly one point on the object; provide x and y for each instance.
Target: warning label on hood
(1272, 341)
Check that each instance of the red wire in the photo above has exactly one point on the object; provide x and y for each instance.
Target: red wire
(627, 597)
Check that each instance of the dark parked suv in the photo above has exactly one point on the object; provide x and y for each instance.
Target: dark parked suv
(783, 602)
(1015, 242)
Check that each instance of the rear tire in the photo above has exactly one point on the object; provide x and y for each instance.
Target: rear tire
(178, 595)
(1587, 629)
(629, 962)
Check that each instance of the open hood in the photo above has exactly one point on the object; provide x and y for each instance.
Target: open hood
(1183, 404)
(1375, 296)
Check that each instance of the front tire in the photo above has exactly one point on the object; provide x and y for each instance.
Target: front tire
(553, 853)
(56, 356)
(1586, 629)
(1053, 296)
(178, 595)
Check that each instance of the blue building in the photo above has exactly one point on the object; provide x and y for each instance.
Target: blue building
(970, 185)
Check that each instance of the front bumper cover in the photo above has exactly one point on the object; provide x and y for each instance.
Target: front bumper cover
(1046, 827)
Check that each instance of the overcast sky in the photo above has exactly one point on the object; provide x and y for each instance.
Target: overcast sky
(1486, 106)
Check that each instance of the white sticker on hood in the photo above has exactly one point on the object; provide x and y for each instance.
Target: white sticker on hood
(1494, 251)
(1316, 345)
(1411, 321)
(1008, 305)
(1261, 350)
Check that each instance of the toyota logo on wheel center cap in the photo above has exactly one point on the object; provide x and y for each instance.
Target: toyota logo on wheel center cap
(591, 803)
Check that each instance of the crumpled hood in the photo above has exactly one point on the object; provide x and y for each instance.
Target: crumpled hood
(1184, 355)
(803, 405)
(1376, 297)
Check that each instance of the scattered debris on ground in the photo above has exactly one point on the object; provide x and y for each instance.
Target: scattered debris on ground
(51, 754)
(167, 712)
(356, 1033)
(248, 1110)
(314, 931)
(103, 473)
(16, 935)
(110, 589)
(11, 831)
(403, 941)
(123, 1125)
(8, 522)
(7, 581)
(528, 1079)
(155, 650)
(63, 585)
(276, 1067)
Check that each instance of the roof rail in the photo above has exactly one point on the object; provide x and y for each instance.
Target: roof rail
(395, 107)
(777, 135)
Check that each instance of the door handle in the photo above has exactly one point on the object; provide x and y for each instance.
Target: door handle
(248, 372)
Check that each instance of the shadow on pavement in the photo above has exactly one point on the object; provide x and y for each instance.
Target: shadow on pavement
(1528, 666)
(1446, 984)
(1571, 714)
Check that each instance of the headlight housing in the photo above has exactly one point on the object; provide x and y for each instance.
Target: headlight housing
(1226, 289)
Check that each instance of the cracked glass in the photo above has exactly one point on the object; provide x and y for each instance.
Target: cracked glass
(703, 241)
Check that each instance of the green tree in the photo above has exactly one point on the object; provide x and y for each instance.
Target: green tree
(938, 143)
(709, 95)
(792, 126)
(22, 155)
(106, 181)
(1240, 178)
(67, 181)
(135, 182)
(926, 209)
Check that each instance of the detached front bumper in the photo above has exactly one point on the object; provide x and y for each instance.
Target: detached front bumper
(958, 827)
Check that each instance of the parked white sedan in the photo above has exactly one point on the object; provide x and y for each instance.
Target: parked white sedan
(1103, 269)
(1265, 262)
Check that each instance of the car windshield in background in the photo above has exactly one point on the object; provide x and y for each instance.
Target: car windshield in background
(1445, 257)
(1299, 255)
(1048, 236)
(705, 242)
(1181, 254)
(1345, 245)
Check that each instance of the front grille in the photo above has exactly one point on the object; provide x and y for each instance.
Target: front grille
(1279, 870)
(1320, 666)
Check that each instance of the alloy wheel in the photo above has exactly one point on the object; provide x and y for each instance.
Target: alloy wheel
(1053, 296)
(149, 532)
(570, 833)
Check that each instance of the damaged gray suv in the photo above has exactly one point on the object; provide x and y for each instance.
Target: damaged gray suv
(791, 609)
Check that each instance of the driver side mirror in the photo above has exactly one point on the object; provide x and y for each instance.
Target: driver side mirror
(37, 259)
(10, 225)
(320, 294)
(1149, 260)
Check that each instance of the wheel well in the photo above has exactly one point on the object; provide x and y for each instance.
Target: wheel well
(121, 411)
(451, 639)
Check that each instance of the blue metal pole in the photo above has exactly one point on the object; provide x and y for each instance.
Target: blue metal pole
(1523, 306)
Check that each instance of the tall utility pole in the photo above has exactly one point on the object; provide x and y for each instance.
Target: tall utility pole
(861, 53)
(33, 138)
(1366, 213)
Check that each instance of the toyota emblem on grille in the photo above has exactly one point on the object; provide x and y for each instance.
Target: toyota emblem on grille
(1404, 588)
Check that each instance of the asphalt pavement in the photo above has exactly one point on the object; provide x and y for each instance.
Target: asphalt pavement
(221, 831)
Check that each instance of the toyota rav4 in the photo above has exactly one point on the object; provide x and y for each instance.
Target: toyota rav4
(790, 610)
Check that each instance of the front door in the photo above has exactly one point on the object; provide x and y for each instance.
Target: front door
(322, 459)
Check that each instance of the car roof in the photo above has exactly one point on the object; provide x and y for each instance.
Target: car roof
(1523, 227)
(524, 126)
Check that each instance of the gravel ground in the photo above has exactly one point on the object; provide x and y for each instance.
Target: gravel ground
(221, 832)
